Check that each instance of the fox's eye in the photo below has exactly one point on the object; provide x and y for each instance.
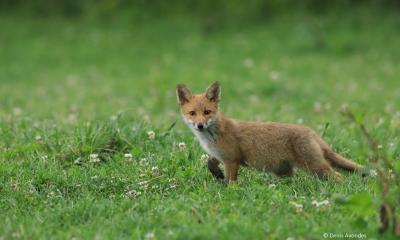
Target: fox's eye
(206, 112)
(192, 113)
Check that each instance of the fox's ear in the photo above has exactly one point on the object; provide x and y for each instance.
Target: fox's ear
(183, 94)
(213, 92)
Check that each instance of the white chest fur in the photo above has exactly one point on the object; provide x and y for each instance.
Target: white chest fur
(208, 142)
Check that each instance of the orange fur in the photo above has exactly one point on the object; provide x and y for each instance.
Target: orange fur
(274, 147)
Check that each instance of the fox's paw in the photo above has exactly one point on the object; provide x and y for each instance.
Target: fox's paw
(338, 177)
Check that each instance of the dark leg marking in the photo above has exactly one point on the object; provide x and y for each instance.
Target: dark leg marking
(213, 166)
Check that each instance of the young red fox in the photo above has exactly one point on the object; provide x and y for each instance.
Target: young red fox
(275, 147)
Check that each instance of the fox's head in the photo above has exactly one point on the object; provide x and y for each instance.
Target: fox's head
(201, 110)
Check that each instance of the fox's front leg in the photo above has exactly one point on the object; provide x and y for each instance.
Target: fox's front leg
(231, 171)
(213, 166)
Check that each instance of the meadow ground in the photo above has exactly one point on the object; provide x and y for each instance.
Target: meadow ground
(78, 98)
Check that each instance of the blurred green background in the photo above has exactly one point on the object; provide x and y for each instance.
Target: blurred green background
(101, 57)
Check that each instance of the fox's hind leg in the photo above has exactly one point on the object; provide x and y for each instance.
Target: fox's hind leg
(285, 169)
(323, 170)
(309, 156)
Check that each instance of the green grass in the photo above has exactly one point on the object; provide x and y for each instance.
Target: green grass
(74, 88)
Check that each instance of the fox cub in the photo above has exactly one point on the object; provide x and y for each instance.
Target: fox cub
(274, 147)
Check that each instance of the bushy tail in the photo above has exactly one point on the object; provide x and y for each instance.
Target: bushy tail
(340, 162)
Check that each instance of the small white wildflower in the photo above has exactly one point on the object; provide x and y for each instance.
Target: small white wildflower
(149, 236)
(17, 111)
(248, 63)
(344, 107)
(94, 158)
(128, 156)
(373, 173)
(132, 193)
(151, 135)
(298, 207)
(172, 183)
(300, 121)
(271, 185)
(170, 233)
(77, 161)
(143, 162)
(45, 158)
(328, 106)
(317, 107)
(72, 119)
(154, 171)
(321, 203)
(380, 146)
(274, 75)
(146, 118)
(380, 122)
(181, 146)
(254, 98)
(113, 118)
(290, 238)
(16, 235)
(94, 177)
(204, 157)
(38, 139)
(143, 183)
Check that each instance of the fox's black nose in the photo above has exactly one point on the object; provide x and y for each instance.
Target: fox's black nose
(200, 126)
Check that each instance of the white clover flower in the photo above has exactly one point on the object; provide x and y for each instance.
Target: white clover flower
(149, 236)
(143, 183)
(172, 183)
(113, 118)
(38, 139)
(143, 162)
(128, 156)
(274, 75)
(271, 185)
(317, 107)
(77, 161)
(45, 158)
(248, 63)
(132, 193)
(17, 111)
(300, 121)
(204, 157)
(320, 203)
(373, 173)
(298, 207)
(380, 122)
(151, 135)
(94, 158)
(72, 119)
(181, 146)
(154, 171)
